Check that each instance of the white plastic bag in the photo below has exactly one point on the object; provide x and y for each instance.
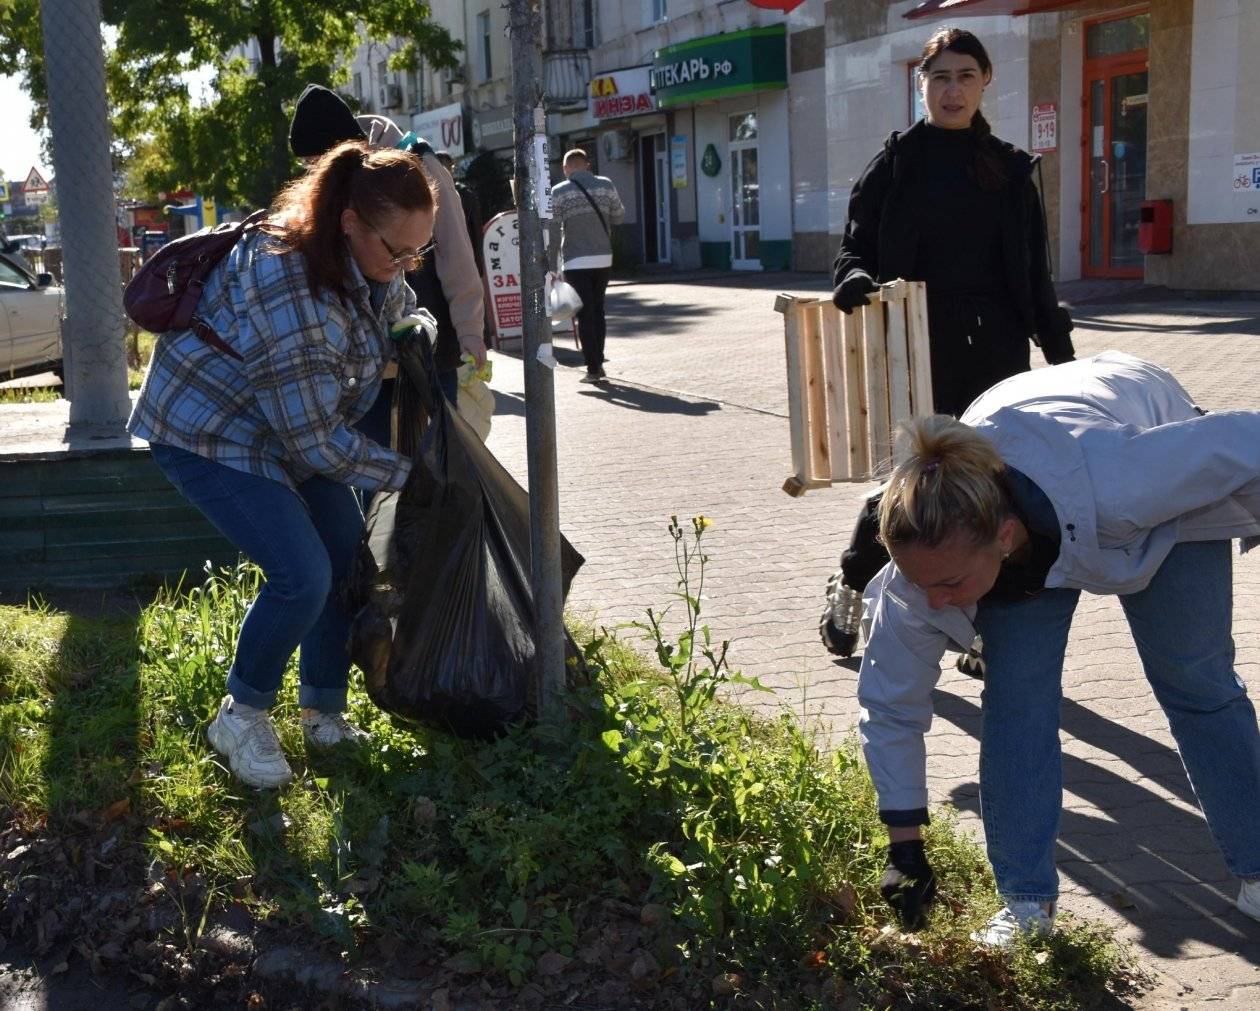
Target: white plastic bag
(473, 398)
(563, 301)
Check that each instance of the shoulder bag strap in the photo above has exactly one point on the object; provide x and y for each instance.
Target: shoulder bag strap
(594, 206)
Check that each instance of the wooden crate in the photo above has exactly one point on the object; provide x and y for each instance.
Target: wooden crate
(852, 380)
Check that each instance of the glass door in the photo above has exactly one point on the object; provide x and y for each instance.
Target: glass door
(1116, 86)
(745, 193)
(663, 186)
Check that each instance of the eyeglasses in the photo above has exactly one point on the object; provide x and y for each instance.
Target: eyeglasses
(406, 261)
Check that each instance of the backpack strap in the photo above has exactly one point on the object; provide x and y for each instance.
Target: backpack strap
(198, 325)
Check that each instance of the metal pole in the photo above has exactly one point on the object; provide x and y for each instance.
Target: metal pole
(95, 363)
(540, 407)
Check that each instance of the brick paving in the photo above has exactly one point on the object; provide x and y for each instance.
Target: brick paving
(695, 421)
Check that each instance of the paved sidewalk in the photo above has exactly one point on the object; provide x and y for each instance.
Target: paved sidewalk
(695, 421)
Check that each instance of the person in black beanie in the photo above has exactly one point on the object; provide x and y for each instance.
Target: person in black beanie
(447, 282)
(947, 203)
(321, 121)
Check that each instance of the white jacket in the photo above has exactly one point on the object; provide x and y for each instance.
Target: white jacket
(1131, 467)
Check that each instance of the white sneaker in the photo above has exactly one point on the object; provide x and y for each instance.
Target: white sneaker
(1033, 917)
(324, 730)
(1248, 901)
(246, 737)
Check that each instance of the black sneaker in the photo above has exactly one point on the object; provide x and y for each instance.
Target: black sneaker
(592, 377)
(838, 627)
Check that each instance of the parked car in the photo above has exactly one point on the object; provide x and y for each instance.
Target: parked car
(30, 320)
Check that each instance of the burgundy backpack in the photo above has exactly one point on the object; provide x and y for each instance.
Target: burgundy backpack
(164, 293)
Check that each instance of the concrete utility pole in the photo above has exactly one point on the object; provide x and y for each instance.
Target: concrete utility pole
(525, 24)
(95, 367)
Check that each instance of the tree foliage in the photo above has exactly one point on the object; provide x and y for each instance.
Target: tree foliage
(230, 143)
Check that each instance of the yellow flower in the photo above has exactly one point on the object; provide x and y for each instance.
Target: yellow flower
(703, 522)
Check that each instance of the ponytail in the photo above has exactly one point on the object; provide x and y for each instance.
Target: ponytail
(371, 182)
(945, 485)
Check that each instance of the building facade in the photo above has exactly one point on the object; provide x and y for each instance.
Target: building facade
(1150, 148)
(709, 119)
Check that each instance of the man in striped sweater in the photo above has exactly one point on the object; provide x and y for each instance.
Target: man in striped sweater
(584, 209)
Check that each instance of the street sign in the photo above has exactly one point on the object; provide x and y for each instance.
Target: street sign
(501, 246)
(35, 183)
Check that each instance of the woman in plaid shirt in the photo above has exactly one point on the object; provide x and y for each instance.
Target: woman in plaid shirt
(264, 444)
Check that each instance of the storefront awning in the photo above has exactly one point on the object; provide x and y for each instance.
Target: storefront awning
(977, 8)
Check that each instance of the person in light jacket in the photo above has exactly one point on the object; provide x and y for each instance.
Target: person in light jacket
(1099, 475)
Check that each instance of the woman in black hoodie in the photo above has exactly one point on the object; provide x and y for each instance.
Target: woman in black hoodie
(949, 204)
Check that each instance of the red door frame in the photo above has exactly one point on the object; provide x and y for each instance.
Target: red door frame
(1106, 68)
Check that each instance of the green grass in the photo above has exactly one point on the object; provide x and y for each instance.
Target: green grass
(764, 852)
(139, 351)
(30, 395)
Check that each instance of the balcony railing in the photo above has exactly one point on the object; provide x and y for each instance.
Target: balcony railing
(566, 79)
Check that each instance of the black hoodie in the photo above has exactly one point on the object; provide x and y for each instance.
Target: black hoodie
(881, 236)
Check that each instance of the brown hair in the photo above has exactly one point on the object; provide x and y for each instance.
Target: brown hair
(372, 182)
(946, 484)
(987, 169)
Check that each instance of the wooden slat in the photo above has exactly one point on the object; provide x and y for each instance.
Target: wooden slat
(833, 370)
(819, 459)
(920, 353)
(875, 355)
(855, 396)
(798, 417)
(898, 363)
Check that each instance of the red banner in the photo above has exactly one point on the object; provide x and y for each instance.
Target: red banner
(777, 5)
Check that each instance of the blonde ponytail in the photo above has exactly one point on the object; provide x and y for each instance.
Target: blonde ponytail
(945, 484)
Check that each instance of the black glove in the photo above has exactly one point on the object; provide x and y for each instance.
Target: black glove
(853, 290)
(909, 884)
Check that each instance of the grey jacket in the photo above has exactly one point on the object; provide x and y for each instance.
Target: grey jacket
(575, 228)
(1131, 467)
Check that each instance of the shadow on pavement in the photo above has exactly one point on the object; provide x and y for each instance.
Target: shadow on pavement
(508, 403)
(1152, 863)
(1228, 322)
(633, 312)
(648, 400)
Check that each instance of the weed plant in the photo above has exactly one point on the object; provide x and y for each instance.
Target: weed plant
(753, 854)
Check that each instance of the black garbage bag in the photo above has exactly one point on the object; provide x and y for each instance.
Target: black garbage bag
(443, 620)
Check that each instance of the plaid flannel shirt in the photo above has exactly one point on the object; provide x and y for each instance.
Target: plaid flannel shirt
(310, 367)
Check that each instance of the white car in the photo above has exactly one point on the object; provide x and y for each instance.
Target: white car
(30, 320)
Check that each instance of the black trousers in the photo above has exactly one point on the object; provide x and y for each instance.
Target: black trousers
(591, 285)
(976, 342)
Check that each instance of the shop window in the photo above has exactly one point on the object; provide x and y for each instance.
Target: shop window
(918, 110)
(744, 127)
(1120, 35)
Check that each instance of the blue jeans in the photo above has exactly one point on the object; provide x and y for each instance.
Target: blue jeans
(1181, 624)
(304, 542)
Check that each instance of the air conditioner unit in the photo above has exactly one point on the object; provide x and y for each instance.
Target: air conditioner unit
(616, 145)
(391, 96)
(454, 75)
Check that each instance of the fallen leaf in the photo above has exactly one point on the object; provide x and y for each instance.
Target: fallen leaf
(116, 810)
(552, 963)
